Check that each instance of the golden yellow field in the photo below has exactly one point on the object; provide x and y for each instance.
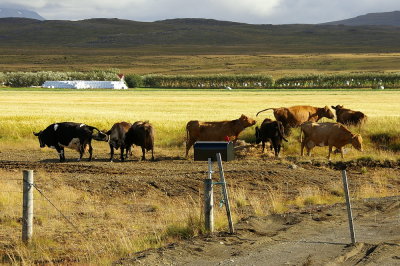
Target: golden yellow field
(22, 112)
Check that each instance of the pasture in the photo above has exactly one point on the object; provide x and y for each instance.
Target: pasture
(120, 208)
(25, 111)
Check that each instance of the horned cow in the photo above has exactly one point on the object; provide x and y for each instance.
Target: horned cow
(296, 115)
(215, 131)
(328, 134)
(71, 135)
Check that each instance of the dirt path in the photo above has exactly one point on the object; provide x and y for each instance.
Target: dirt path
(313, 237)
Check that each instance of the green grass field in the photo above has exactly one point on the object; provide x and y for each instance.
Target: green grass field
(23, 111)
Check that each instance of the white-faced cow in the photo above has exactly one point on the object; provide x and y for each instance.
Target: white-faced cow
(116, 139)
(296, 115)
(349, 117)
(216, 131)
(328, 134)
(71, 135)
(141, 134)
(271, 131)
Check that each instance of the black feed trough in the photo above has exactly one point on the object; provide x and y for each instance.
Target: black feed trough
(209, 149)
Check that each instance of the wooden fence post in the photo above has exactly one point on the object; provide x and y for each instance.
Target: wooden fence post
(348, 205)
(209, 200)
(27, 206)
(225, 193)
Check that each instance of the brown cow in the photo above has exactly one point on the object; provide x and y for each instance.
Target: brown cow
(296, 115)
(141, 134)
(215, 131)
(116, 139)
(328, 134)
(349, 117)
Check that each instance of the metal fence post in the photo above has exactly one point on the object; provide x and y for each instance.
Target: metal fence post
(27, 206)
(225, 193)
(348, 205)
(209, 200)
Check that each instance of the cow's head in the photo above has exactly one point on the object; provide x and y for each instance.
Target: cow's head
(258, 135)
(327, 113)
(247, 121)
(40, 137)
(337, 107)
(356, 141)
(99, 135)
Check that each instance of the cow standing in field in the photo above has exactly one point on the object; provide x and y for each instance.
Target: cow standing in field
(116, 139)
(349, 117)
(273, 131)
(328, 134)
(71, 135)
(215, 131)
(141, 134)
(296, 115)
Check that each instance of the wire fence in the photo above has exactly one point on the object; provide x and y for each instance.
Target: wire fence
(68, 221)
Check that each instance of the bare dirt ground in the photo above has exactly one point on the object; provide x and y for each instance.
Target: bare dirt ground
(312, 236)
(317, 236)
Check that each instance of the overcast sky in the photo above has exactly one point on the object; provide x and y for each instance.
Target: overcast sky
(248, 11)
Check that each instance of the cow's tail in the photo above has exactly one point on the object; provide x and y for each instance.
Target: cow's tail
(264, 110)
(281, 131)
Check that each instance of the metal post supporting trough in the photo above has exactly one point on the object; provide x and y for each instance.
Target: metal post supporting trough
(209, 200)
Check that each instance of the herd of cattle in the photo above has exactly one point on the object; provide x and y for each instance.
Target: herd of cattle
(124, 135)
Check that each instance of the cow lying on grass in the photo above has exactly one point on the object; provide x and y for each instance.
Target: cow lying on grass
(71, 135)
(273, 131)
(215, 131)
(349, 117)
(328, 134)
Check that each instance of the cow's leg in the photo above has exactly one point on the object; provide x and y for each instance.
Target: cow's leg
(122, 153)
(128, 152)
(143, 154)
(275, 146)
(263, 146)
(341, 152)
(329, 152)
(152, 154)
(111, 153)
(303, 143)
(60, 151)
(189, 144)
(90, 151)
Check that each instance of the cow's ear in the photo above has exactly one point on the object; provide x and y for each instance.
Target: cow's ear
(257, 128)
(37, 134)
(333, 107)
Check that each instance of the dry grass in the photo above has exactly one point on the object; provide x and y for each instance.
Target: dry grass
(22, 112)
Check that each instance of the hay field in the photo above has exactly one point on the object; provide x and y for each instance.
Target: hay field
(169, 110)
(24, 111)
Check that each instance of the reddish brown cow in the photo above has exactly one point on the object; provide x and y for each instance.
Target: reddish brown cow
(215, 131)
(296, 115)
(328, 134)
(349, 117)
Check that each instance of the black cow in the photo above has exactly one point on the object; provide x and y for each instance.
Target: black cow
(141, 134)
(71, 135)
(273, 131)
(117, 139)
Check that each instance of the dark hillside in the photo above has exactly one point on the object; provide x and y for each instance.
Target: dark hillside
(116, 33)
(385, 18)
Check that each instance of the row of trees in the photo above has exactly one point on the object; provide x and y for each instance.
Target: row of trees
(346, 80)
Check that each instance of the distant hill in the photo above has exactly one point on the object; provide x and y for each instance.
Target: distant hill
(19, 13)
(385, 18)
(188, 33)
